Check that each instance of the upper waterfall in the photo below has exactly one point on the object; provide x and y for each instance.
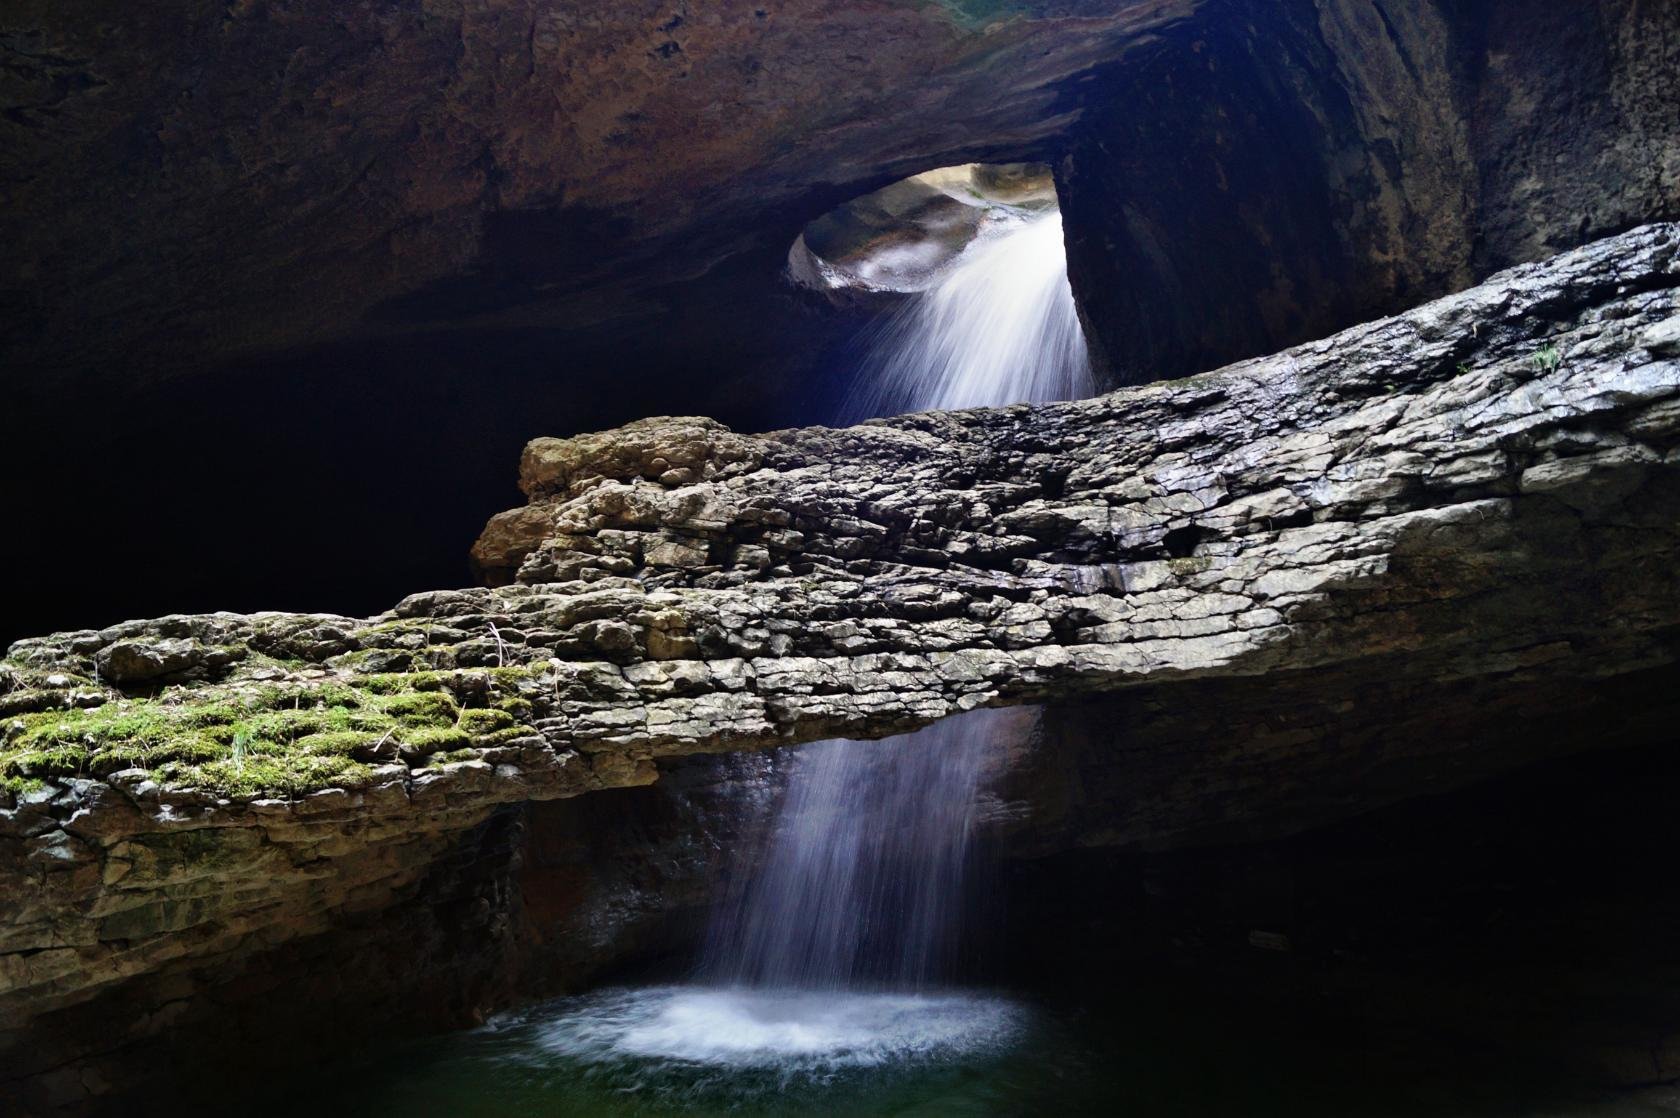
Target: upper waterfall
(998, 325)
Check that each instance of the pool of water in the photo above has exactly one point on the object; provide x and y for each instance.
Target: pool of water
(695, 1050)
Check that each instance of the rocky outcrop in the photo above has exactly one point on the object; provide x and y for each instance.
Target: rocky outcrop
(1271, 171)
(1479, 493)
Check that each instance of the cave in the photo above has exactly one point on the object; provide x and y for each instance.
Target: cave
(841, 558)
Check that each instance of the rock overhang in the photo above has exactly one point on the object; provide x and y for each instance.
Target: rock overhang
(1477, 500)
(677, 587)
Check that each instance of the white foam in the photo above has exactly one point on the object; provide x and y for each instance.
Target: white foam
(786, 1030)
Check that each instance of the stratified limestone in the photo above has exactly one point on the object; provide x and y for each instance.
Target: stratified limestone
(1483, 488)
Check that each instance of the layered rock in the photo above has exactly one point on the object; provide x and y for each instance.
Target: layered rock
(1477, 495)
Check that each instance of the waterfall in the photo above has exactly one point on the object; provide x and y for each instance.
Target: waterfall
(822, 958)
(863, 884)
(998, 326)
(864, 880)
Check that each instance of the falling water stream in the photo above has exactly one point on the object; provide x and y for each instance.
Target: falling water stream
(865, 879)
(833, 951)
(825, 984)
(998, 326)
(863, 883)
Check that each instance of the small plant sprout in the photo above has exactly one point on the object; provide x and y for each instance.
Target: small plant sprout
(1547, 359)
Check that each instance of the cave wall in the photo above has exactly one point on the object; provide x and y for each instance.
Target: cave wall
(268, 258)
(1199, 769)
(1517, 929)
(540, 899)
(420, 944)
(197, 185)
(193, 181)
(1269, 172)
(383, 457)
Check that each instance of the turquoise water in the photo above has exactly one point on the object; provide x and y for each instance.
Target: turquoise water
(678, 1050)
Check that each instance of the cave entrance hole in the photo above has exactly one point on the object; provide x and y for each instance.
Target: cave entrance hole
(902, 238)
(968, 268)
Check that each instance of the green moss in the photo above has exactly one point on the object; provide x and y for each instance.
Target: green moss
(211, 715)
(484, 721)
(397, 683)
(21, 785)
(294, 775)
(436, 740)
(101, 740)
(501, 737)
(344, 742)
(275, 732)
(247, 739)
(426, 708)
(517, 706)
(452, 757)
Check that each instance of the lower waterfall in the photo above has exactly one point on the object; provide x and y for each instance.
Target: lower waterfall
(863, 882)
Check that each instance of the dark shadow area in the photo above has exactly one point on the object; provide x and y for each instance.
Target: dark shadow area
(1526, 922)
(342, 479)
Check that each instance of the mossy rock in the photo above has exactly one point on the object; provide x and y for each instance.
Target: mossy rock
(484, 720)
(421, 709)
(400, 683)
(102, 740)
(21, 785)
(454, 756)
(296, 774)
(518, 707)
(435, 740)
(286, 737)
(343, 743)
(502, 737)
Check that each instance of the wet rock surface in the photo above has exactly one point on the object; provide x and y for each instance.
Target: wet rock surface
(1478, 498)
(897, 239)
